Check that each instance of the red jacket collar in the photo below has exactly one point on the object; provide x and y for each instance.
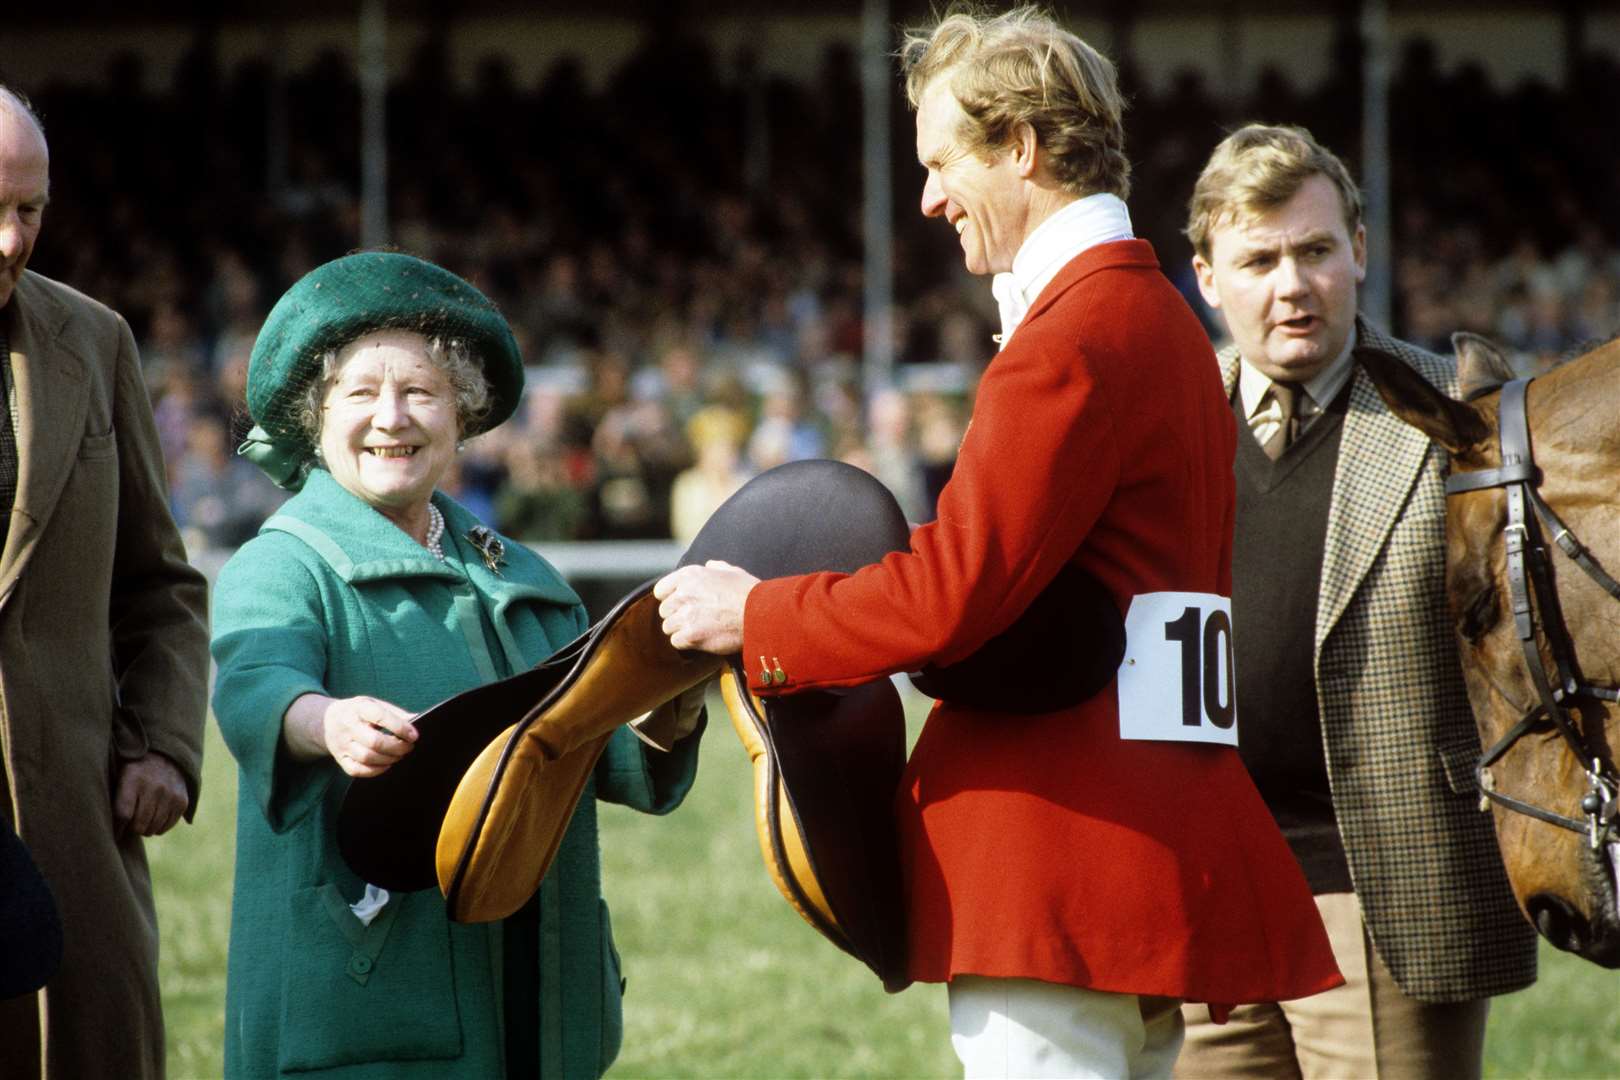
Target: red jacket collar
(1116, 254)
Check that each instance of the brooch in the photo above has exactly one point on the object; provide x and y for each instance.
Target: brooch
(489, 546)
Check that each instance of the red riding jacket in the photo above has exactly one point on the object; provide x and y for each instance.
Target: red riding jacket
(1045, 846)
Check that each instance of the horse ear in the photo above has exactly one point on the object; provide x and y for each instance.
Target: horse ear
(1481, 365)
(1455, 425)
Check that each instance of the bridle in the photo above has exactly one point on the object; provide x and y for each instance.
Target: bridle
(1530, 584)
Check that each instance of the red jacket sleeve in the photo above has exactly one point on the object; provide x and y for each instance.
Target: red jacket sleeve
(1037, 467)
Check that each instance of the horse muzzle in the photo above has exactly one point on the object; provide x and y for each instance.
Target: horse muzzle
(1594, 937)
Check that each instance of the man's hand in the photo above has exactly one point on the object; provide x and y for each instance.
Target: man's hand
(151, 795)
(702, 606)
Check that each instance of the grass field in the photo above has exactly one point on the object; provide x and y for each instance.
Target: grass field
(725, 981)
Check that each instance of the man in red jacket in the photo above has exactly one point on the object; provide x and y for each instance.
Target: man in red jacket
(1071, 874)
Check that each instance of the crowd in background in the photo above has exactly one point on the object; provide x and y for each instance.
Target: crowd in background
(679, 253)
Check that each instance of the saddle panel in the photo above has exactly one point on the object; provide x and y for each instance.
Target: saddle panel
(388, 825)
(786, 861)
(506, 816)
(826, 771)
(490, 864)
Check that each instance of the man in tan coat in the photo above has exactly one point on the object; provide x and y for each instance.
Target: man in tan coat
(103, 646)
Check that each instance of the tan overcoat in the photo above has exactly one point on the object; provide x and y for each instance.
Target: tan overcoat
(103, 657)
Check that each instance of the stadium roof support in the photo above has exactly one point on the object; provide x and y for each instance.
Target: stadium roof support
(877, 367)
(1376, 291)
(373, 40)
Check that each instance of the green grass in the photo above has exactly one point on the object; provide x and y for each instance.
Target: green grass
(726, 981)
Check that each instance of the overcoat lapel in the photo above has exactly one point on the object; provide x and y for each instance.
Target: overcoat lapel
(1380, 459)
(52, 394)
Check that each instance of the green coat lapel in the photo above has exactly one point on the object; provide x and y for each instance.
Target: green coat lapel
(362, 546)
(502, 591)
(52, 391)
(355, 540)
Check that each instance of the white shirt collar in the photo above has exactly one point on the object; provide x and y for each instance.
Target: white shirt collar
(1084, 223)
(1323, 387)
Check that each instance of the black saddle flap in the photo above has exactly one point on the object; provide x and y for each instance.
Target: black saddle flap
(1065, 647)
(388, 826)
(30, 926)
(839, 759)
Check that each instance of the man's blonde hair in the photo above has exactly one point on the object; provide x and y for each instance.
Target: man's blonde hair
(1258, 168)
(1022, 67)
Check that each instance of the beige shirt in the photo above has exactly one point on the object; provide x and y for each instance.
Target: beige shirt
(1261, 410)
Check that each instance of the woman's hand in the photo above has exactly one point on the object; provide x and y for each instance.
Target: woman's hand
(364, 735)
(702, 606)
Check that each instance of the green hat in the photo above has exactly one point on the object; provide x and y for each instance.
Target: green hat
(345, 299)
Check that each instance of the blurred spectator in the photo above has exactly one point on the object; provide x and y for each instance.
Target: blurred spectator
(785, 432)
(638, 451)
(892, 453)
(538, 502)
(940, 428)
(716, 434)
(219, 499)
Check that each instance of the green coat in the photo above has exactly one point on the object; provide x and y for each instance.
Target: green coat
(332, 598)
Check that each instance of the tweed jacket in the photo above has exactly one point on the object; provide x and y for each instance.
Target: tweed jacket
(1399, 737)
(332, 598)
(1050, 846)
(103, 656)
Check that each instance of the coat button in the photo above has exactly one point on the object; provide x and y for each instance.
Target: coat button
(359, 964)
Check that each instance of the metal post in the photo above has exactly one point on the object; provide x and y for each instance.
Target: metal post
(876, 87)
(373, 124)
(1377, 290)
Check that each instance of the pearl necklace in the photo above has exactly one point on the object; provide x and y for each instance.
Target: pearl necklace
(435, 532)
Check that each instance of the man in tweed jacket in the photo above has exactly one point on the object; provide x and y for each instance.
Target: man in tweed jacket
(1353, 717)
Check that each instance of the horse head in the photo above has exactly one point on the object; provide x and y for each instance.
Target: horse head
(1555, 813)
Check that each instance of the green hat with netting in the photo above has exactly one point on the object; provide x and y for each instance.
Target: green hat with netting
(345, 299)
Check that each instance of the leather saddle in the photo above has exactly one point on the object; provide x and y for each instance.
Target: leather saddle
(480, 806)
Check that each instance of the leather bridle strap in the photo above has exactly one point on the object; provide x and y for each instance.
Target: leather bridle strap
(1517, 477)
(1523, 582)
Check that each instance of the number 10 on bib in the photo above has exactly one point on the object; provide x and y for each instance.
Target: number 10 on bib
(1176, 682)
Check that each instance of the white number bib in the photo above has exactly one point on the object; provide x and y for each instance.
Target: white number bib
(1176, 682)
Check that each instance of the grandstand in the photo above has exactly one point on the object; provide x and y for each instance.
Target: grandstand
(669, 204)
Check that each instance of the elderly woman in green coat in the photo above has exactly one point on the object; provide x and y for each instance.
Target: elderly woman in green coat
(367, 598)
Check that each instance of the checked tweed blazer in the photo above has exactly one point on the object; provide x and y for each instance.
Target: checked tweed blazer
(1399, 737)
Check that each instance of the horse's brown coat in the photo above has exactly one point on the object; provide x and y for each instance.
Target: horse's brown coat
(1574, 419)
